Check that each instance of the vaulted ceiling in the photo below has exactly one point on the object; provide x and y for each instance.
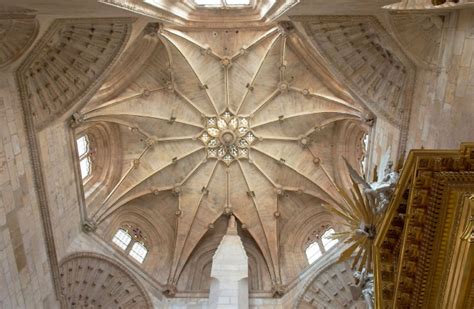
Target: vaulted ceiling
(202, 120)
(219, 122)
(368, 60)
(68, 64)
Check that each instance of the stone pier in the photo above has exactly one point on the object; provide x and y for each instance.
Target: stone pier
(229, 273)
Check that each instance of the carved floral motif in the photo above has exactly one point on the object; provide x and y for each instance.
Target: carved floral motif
(227, 137)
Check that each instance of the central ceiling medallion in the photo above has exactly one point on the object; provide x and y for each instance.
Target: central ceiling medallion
(227, 137)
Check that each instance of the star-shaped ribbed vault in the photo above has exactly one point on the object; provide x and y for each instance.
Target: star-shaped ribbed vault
(225, 126)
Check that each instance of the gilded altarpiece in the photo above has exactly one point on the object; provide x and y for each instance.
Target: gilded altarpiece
(424, 251)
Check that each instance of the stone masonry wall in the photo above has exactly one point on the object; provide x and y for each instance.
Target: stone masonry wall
(443, 105)
(25, 277)
(58, 169)
(384, 136)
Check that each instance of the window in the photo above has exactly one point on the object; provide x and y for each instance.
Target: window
(84, 152)
(328, 241)
(131, 242)
(313, 252)
(122, 239)
(138, 252)
(222, 3)
(320, 246)
(365, 148)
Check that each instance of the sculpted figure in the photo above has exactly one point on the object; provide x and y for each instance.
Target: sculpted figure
(378, 193)
(386, 187)
(363, 287)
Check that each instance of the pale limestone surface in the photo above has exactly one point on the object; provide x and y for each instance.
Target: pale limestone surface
(229, 272)
(25, 278)
(443, 109)
(325, 282)
(164, 97)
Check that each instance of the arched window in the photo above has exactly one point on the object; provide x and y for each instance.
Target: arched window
(365, 149)
(222, 3)
(320, 245)
(131, 240)
(84, 152)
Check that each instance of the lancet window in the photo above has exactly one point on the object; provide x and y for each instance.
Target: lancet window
(365, 148)
(85, 156)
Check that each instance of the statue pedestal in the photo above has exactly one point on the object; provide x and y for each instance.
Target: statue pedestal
(229, 273)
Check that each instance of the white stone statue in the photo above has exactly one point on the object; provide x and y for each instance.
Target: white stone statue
(363, 287)
(383, 190)
(379, 193)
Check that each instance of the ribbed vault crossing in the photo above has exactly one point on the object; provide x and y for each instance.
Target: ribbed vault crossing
(183, 91)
